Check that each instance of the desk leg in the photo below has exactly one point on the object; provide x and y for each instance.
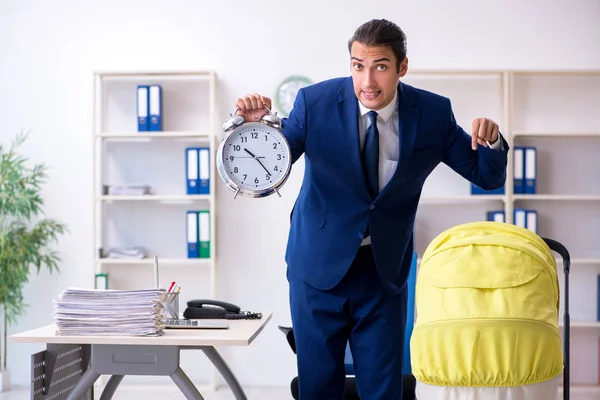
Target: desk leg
(111, 387)
(185, 385)
(215, 358)
(83, 385)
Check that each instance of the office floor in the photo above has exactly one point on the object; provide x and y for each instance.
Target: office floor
(164, 393)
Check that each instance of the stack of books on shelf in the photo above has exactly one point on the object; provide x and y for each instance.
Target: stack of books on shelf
(126, 190)
(94, 312)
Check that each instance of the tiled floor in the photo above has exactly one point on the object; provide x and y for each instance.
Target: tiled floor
(168, 393)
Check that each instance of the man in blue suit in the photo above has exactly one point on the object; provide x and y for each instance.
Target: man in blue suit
(369, 142)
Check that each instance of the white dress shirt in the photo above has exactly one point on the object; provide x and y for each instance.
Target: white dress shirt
(389, 146)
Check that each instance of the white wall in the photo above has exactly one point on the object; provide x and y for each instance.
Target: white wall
(48, 50)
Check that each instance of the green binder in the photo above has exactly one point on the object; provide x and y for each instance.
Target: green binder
(204, 233)
(101, 281)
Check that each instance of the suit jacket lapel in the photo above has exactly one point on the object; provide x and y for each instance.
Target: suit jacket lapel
(408, 121)
(348, 114)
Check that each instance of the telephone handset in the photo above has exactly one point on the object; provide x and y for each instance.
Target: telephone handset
(216, 309)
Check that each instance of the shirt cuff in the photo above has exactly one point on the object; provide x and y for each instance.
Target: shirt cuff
(497, 145)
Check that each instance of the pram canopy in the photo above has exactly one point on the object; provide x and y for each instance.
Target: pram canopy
(487, 309)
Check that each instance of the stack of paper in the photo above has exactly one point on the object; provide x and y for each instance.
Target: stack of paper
(109, 312)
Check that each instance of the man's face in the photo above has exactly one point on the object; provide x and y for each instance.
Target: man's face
(374, 74)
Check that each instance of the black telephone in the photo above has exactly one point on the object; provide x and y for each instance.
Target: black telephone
(216, 309)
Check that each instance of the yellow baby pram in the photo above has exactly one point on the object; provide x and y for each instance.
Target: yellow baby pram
(487, 305)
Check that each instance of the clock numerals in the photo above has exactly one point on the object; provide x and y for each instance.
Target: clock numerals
(253, 135)
(256, 163)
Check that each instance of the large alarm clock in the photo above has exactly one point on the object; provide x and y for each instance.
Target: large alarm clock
(254, 158)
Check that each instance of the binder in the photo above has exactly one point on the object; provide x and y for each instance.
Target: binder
(204, 233)
(204, 170)
(476, 190)
(155, 108)
(519, 170)
(192, 234)
(598, 304)
(532, 221)
(496, 216)
(520, 217)
(530, 170)
(101, 281)
(142, 108)
(192, 173)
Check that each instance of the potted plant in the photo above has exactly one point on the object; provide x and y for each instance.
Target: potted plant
(25, 237)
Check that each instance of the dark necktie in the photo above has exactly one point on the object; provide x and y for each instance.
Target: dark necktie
(370, 156)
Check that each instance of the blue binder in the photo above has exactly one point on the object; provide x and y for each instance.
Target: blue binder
(530, 170)
(520, 217)
(204, 170)
(192, 234)
(410, 313)
(192, 163)
(155, 107)
(476, 190)
(598, 295)
(519, 170)
(142, 108)
(496, 216)
(531, 220)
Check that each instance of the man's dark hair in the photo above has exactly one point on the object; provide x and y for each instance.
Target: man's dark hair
(381, 32)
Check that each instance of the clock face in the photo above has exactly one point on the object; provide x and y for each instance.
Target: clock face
(256, 157)
(287, 91)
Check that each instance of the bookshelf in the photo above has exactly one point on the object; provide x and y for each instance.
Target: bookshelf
(555, 112)
(123, 155)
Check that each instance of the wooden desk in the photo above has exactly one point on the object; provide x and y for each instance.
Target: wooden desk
(125, 355)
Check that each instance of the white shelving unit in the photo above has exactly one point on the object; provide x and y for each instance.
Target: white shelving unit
(157, 221)
(556, 112)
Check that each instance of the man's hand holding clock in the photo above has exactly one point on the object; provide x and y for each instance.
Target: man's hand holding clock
(252, 106)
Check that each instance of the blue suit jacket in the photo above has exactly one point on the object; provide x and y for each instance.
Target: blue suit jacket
(333, 207)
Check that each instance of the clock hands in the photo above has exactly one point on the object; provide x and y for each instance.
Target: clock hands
(256, 158)
(249, 152)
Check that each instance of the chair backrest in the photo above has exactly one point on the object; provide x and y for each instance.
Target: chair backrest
(410, 322)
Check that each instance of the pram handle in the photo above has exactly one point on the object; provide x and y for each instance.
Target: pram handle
(564, 253)
(562, 250)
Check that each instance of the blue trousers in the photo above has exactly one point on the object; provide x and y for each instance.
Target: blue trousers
(357, 310)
